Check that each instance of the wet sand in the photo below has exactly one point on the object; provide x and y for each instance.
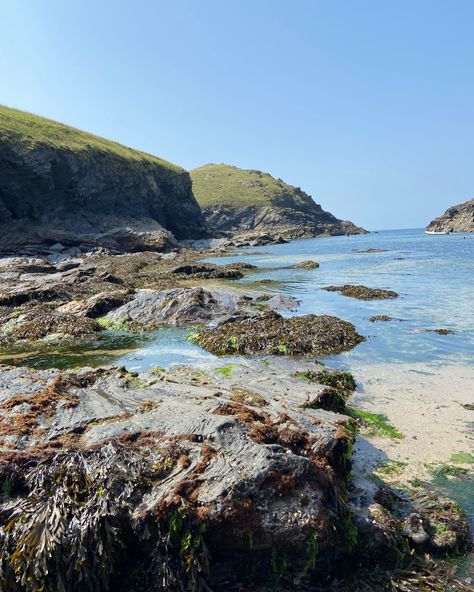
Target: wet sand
(423, 402)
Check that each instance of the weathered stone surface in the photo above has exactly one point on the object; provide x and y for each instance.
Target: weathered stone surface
(164, 480)
(191, 306)
(60, 185)
(458, 218)
(98, 305)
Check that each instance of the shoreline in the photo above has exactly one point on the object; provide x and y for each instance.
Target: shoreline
(248, 393)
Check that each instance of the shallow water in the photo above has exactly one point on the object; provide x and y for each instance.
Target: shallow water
(434, 275)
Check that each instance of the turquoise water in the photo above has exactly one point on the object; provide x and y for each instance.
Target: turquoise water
(434, 275)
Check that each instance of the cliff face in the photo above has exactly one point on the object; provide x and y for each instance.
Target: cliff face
(458, 218)
(234, 199)
(60, 184)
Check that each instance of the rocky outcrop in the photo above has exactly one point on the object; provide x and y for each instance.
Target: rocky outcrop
(196, 306)
(270, 333)
(458, 218)
(116, 481)
(252, 202)
(362, 292)
(59, 184)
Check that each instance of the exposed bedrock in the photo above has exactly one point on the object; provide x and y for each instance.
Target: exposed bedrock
(58, 184)
(186, 480)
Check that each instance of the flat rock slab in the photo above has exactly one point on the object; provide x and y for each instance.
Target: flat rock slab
(194, 306)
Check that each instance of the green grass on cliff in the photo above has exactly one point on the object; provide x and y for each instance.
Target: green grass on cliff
(226, 185)
(25, 131)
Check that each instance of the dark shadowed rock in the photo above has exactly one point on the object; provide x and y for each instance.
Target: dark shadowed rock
(61, 185)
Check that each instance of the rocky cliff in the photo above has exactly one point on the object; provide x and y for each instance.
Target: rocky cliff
(61, 184)
(234, 199)
(458, 218)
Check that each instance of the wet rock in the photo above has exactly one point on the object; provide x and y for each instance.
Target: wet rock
(336, 379)
(98, 305)
(194, 306)
(384, 318)
(362, 292)
(306, 265)
(413, 529)
(40, 322)
(270, 333)
(206, 271)
(441, 331)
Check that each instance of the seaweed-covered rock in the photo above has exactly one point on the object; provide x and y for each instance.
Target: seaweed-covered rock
(125, 482)
(270, 333)
(306, 265)
(382, 317)
(362, 292)
(156, 467)
(207, 271)
(41, 322)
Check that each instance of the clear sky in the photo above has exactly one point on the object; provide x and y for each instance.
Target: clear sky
(366, 104)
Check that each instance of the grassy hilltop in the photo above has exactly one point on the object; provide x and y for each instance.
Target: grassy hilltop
(226, 185)
(61, 184)
(26, 131)
(234, 199)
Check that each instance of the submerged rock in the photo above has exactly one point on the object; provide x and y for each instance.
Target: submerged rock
(270, 333)
(383, 317)
(306, 265)
(362, 292)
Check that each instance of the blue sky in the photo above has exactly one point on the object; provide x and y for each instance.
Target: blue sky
(367, 105)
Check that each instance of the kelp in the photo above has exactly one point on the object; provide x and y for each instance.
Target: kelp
(66, 534)
(362, 292)
(77, 522)
(270, 333)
